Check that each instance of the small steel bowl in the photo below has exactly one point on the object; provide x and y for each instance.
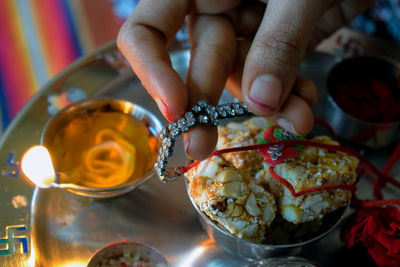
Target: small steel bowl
(85, 107)
(116, 250)
(349, 127)
(290, 261)
(260, 252)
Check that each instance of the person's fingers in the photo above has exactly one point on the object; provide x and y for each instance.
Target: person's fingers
(199, 142)
(337, 17)
(234, 82)
(274, 58)
(214, 7)
(213, 51)
(143, 40)
(351, 8)
(306, 89)
(295, 109)
(303, 86)
(293, 116)
(246, 18)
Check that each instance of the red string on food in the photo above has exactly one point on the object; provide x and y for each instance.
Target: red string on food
(286, 184)
(365, 164)
(184, 169)
(376, 248)
(346, 150)
(281, 180)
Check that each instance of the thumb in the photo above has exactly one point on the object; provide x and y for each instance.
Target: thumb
(274, 58)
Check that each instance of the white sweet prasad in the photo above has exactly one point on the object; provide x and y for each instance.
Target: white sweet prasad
(236, 189)
(315, 167)
(231, 198)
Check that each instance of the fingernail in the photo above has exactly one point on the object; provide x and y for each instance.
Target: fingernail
(265, 92)
(187, 146)
(287, 125)
(164, 109)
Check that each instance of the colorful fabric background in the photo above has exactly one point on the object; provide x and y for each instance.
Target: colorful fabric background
(39, 38)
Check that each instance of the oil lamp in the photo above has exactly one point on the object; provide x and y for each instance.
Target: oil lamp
(99, 148)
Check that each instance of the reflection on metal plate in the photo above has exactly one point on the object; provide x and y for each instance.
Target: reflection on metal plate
(14, 241)
(57, 228)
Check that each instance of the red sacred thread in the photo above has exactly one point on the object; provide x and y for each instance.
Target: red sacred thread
(286, 184)
(366, 165)
(376, 203)
(392, 160)
(327, 126)
(382, 177)
(184, 169)
(379, 183)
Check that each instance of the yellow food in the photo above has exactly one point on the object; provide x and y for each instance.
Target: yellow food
(231, 198)
(313, 167)
(111, 161)
(102, 149)
(237, 191)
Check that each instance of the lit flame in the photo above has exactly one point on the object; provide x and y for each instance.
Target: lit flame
(202, 248)
(37, 166)
(32, 258)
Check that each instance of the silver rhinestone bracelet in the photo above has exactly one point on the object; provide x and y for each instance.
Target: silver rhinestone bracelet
(201, 114)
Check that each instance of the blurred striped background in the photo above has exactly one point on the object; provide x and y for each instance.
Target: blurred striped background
(39, 38)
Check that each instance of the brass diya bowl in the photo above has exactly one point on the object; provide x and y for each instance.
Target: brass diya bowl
(127, 253)
(363, 103)
(275, 250)
(102, 147)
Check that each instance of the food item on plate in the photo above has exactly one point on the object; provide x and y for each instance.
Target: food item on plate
(231, 180)
(237, 134)
(127, 254)
(231, 198)
(102, 148)
(129, 259)
(314, 167)
(110, 161)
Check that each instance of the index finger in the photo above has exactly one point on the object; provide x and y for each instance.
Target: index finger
(143, 40)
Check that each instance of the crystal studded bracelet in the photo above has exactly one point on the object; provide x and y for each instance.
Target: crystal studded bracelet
(201, 114)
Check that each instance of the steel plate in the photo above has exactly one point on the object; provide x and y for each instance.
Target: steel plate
(56, 228)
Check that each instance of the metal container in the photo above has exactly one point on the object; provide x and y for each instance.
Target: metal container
(53, 227)
(258, 252)
(290, 261)
(349, 127)
(116, 250)
(83, 107)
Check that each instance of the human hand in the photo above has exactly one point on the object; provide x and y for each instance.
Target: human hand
(251, 48)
